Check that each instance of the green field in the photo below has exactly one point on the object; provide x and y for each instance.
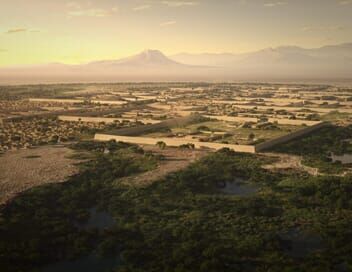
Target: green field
(233, 132)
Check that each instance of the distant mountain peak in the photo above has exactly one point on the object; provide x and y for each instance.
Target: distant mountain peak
(151, 56)
(152, 52)
(283, 62)
(148, 57)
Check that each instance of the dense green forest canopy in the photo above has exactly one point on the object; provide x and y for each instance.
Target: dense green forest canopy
(182, 222)
(316, 149)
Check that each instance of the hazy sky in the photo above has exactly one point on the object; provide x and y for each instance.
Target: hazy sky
(41, 31)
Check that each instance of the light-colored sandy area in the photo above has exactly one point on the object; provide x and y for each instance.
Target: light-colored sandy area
(69, 101)
(174, 160)
(26, 168)
(74, 101)
(286, 161)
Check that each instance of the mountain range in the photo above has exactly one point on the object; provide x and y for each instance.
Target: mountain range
(294, 63)
(286, 54)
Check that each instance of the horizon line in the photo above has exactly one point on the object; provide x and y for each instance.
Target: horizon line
(19, 65)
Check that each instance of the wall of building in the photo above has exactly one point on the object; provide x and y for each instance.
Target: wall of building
(104, 119)
(280, 121)
(129, 135)
(175, 142)
(294, 109)
(72, 101)
(135, 131)
(286, 138)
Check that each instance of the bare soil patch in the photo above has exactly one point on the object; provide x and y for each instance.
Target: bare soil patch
(286, 161)
(26, 168)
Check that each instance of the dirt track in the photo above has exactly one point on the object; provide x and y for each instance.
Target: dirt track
(286, 161)
(175, 160)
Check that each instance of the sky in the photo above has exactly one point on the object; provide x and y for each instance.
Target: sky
(80, 31)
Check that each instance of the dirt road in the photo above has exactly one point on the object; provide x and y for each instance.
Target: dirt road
(175, 160)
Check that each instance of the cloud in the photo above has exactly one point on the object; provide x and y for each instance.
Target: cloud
(322, 28)
(275, 4)
(73, 5)
(16, 30)
(77, 10)
(168, 3)
(168, 23)
(243, 2)
(345, 2)
(142, 7)
(178, 3)
(94, 12)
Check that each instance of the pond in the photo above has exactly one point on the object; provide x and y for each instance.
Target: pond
(237, 187)
(91, 263)
(298, 244)
(342, 267)
(100, 220)
(344, 159)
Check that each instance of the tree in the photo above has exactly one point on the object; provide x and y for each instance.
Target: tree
(251, 136)
(187, 146)
(161, 144)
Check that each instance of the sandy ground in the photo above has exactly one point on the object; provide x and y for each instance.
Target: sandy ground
(286, 161)
(23, 169)
(175, 160)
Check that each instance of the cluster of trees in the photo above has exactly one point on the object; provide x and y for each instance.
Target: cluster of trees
(39, 226)
(317, 148)
(183, 222)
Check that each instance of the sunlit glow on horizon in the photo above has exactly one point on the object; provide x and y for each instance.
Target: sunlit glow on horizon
(75, 32)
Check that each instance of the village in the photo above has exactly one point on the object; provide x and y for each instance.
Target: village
(199, 117)
(101, 152)
(230, 115)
